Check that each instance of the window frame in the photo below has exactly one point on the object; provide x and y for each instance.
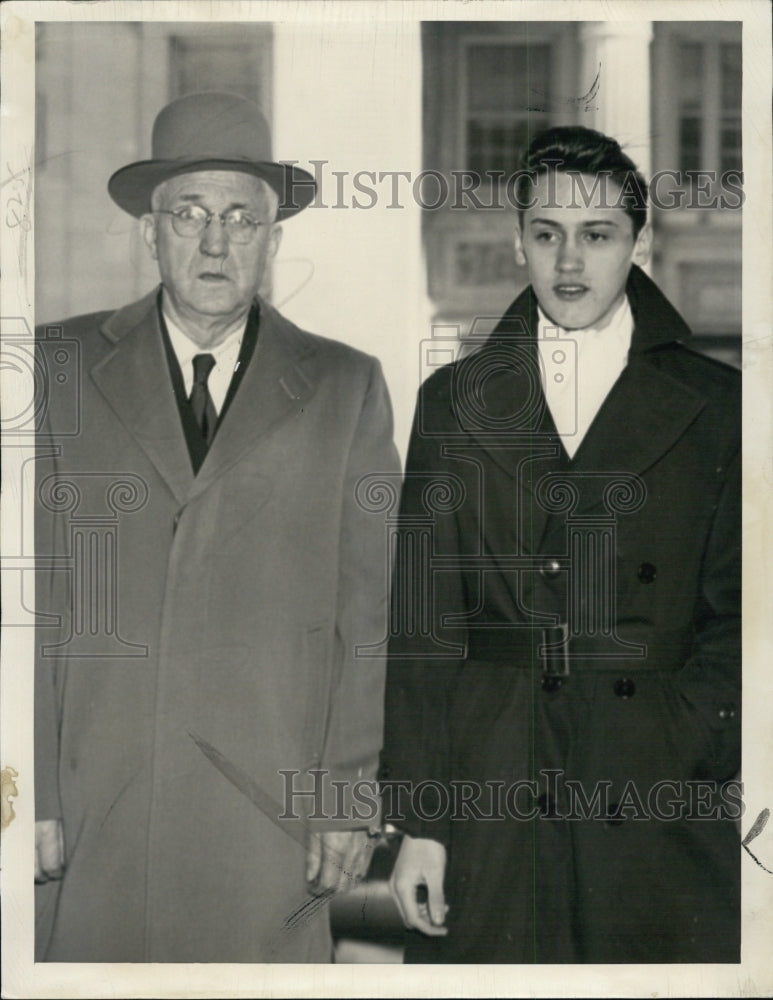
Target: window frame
(667, 152)
(463, 113)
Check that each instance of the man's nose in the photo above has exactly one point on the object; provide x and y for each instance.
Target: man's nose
(214, 240)
(570, 257)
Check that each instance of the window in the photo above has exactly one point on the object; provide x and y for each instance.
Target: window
(696, 87)
(488, 88)
(231, 59)
(730, 107)
(697, 82)
(506, 97)
(709, 106)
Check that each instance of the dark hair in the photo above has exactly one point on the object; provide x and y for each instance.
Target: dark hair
(579, 150)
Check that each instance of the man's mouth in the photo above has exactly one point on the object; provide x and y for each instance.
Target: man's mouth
(213, 276)
(570, 292)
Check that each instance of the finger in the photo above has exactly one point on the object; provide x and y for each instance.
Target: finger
(356, 861)
(415, 914)
(49, 851)
(429, 926)
(336, 864)
(397, 896)
(436, 903)
(313, 857)
(363, 855)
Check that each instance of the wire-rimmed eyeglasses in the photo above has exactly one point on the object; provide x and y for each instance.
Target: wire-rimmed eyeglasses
(191, 220)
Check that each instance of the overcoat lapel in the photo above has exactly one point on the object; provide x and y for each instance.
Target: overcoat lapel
(507, 383)
(273, 388)
(134, 378)
(646, 412)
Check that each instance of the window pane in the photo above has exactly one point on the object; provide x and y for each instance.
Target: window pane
(498, 145)
(730, 145)
(730, 63)
(214, 64)
(690, 144)
(690, 69)
(504, 78)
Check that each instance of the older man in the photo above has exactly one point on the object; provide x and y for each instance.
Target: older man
(205, 671)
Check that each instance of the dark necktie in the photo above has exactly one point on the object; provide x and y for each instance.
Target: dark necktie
(200, 399)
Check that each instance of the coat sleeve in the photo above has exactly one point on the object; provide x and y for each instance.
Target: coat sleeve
(710, 681)
(426, 651)
(355, 712)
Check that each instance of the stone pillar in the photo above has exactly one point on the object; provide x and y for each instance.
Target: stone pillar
(620, 53)
(349, 96)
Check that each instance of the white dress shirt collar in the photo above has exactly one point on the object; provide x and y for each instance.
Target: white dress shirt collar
(226, 356)
(579, 368)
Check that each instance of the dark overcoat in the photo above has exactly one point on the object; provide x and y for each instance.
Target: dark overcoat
(565, 672)
(226, 606)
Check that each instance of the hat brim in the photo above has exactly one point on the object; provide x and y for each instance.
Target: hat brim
(131, 186)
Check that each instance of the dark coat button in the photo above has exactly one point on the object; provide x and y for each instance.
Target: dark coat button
(614, 816)
(726, 712)
(625, 687)
(552, 684)
(647, 572)
(550, 569)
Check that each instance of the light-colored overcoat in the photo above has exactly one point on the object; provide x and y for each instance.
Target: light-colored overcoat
(225, 606)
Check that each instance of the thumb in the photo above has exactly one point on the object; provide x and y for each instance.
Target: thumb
(313, 857)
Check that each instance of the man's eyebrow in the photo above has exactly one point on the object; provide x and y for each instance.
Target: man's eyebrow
(196, 198)
(585, 225)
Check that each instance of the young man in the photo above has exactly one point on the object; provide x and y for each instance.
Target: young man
(563, 695)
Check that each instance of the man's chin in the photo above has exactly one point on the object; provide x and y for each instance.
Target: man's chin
(579, 316)
(215, 305)
(570, 319)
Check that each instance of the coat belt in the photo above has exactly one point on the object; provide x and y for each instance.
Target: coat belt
(556, 652)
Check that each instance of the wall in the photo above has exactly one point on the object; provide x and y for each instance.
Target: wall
(348, 95)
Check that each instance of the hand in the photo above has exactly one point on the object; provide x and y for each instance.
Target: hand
(421, 862)
(337, 860)
(49, 850)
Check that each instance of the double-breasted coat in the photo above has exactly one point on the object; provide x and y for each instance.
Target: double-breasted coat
(225, 606)
(566, 696)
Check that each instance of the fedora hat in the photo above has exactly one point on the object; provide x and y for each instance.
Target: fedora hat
(210, 131)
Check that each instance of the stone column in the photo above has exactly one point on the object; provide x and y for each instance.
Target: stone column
(348, 95)
(619, 53)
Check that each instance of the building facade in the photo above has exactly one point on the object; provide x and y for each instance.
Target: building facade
(670, 92)
(399, 109)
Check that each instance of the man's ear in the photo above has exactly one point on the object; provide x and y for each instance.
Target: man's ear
(148, 229)
(274, 239)
(643, 245)
(520, 253)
